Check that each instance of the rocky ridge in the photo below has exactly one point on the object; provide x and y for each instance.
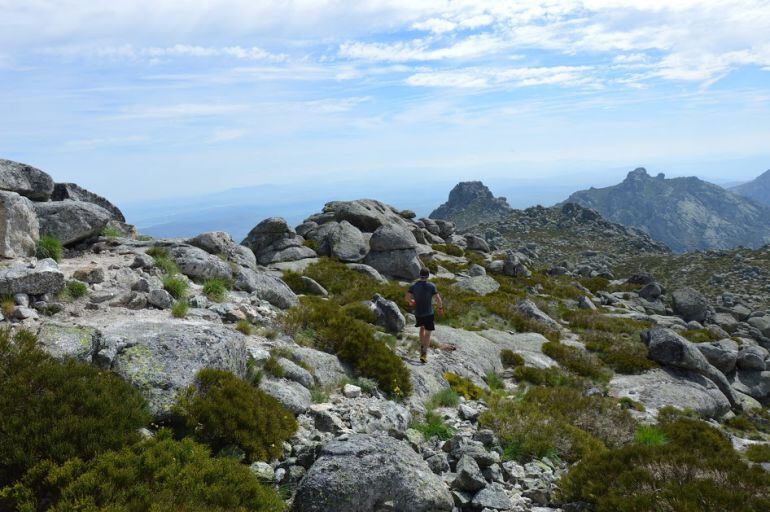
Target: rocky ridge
(684, 213)
(471, 203)
(513, 317)
(757, 189)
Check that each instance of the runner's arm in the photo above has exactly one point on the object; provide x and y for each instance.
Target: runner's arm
(439, 302)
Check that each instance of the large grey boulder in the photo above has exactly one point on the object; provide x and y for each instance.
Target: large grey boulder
(162, 358)
(31, 279)
(529, 309)
(367, 270)
(476, 243)
(18, 226)
(662, 387)
(514, 265)
(69, 341)
(689, 304)
(392, 237)
(221, 243)
(365, 214)
(761, 323)
(666, 347)
(752, 357)
(341, 240)
(361, 473)
(198, 264)
(265, 287)
(402, 264)
(387, 314)
(480, 285)
(722, 354)
(753, 383)
(273, 241)
(25, 180)
(292, 395)
(71, 221)
(62, 191)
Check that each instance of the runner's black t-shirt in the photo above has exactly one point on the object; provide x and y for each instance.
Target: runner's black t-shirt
(423, 293)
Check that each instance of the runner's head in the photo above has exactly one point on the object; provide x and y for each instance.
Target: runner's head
(424, 273)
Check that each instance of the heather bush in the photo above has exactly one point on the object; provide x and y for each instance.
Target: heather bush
(157, 474)
(57, 410)
(511, 359)
(577, 360)
(463, 386)
(221, 410)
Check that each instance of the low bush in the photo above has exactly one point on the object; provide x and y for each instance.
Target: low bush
(175, 286)
(353, 341)
(244, 327)
(360, 311)
(494, 381)
(180, 308)
(157, 252)
(76, 289)
(550, 377)
(110, 232)
(154, 475)
(56, 410)
(463, 386)
(621, 352)
(557, 421)
(595, 284)
(49, 247)
(596, 321)
(450, 249)
(273, 367)
(434, 426)
(511, 359)
(754, 420)
(699, 335)
(758, 453)
(346, 285)
(312, 244)
(8, 306)
(698, 470)
(650, 435)
(577, 360)
(444, 398)
(221, 410)
(215, 289)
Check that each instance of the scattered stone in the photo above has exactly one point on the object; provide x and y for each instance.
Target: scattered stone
(161, 299)
(469, 477)
(90, 275)
(43, 278)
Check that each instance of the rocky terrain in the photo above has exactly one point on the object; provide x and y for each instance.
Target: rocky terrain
(566, 375)
(757, 189)
(684, 213)
(471, 203)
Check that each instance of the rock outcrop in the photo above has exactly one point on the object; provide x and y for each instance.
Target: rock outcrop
(471, 203)
(272, 241)
(63, 191)
(71, 221)
(18, 226)
(25, 180)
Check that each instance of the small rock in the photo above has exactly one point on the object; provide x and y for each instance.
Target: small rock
(263, 471)
(161, 299)
(469, 476)
(351, 391)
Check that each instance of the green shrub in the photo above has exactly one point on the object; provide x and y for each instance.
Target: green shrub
(8, 306)
(360, 311)
(180, 308)
(157, 252)
(551, 377)
(596, 321)
(215, 289)
(434, 426)
(699, 335)
(463, 386)
(110, 232)
(631, 404)
(76, 289)
(273, 367)
(444, 398)
(353, 341)
(56, 410)
(312, 244)
(450, 249)
(754, 420)
(696, 471)
(511, 359)
(595, 284)
(49, 247)
(222, 410)
(577, 360)
(758, 453)
(175, 286)
(154, 475)
(557, 421)
(494, 381)
(620, 352)
(244, 327)
(295, 282)
(650, 435)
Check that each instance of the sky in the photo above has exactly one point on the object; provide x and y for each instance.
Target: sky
(148, 99)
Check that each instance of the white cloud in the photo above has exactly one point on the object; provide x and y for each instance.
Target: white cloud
(571, 76)
(181, 110)
(333, 106)
(105, 141)
(435, 25)
(421, 50)
(128, 51)
(226, 134)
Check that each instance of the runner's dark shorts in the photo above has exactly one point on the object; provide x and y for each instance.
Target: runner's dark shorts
(427, 321)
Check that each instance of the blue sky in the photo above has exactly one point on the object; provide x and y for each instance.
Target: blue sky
(140, 99)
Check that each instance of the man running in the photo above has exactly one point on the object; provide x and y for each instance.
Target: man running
(420, 295)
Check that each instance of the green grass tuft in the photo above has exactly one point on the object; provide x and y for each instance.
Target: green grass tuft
(215, 289)
(49, 247)
(176, 286)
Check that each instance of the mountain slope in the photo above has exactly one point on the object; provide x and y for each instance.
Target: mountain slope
(471, 203)
(684, 213)
(758, 189)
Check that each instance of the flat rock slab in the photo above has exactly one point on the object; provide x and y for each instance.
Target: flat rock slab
(670, 387)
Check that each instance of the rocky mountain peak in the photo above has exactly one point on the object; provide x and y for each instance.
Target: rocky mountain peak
(757, 189)
(471, 203)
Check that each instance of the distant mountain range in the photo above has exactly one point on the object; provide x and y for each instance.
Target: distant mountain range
(684, 213)
(757, 189)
